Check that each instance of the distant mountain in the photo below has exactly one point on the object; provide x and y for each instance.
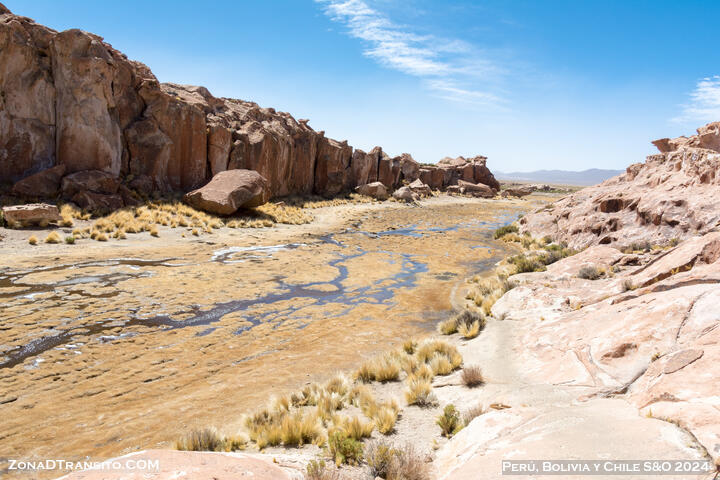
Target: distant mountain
(562, 177)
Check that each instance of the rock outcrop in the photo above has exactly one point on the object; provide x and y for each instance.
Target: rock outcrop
(673, 195)
(230, 190)
(73, 103)
(33, 213)
(375, 189)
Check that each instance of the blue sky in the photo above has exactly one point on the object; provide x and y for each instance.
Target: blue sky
(531, 84)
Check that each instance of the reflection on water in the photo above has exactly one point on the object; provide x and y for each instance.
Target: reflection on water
(288, 301)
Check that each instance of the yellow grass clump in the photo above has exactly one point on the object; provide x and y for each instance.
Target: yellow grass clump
(53, 237)
(32, 240)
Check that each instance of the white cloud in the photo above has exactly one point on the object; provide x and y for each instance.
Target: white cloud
(704, 105)
(450, 67)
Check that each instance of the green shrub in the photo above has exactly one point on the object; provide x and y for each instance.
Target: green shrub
(344, 449)
(70, 239)
(379, 457)
(504, 230)
(449, 421)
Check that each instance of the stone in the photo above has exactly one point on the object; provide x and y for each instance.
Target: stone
(375, 189)
(518, 191)
(420, 188)
(173, 464)
(44, 184)
(476, 189)
(32, 213)
(409, 168)
(96, 181)
(228, 191)
(98, 202)
(333, 167)
(219, 145)
(405, 194)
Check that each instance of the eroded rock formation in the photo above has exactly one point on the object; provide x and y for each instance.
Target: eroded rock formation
(71, 103)
(673, 195)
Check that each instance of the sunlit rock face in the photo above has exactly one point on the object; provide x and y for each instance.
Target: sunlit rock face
(673, 195)
(71, 100)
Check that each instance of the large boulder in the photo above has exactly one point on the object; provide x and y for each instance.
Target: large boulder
(44, 184)
(420, 188)
(522, 191)
(33, 213)
(228, 191)
(375, 189)
(96, 181)
(409, 168)
(98, 202)
(476, 189)
(405, 194)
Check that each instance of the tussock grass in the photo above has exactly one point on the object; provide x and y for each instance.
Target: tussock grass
(590, 272)
(32, 240)
(505, 230)
(201, 440)
(53, 237)
(430, 348)
(419, 392)
(390, 463)
(355, 427)
(472, 376)
(440, 365)
(472, 412)
(384, 368)
(471, 331)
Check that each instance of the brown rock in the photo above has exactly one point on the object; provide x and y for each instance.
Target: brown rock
(90, 180)
(44, 184)
(228, 191)
(420, 188)
(518, 191)
(476, 189)
(405, 194)
(98, 202)
(333, 167)
(219, 145)
(374, 189)
(409, 168)
(32, 213)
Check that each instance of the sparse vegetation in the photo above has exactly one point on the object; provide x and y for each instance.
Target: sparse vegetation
(319, 470)
(396, 463)
(202, 440)
(53, 237)
(472, 376)
(467, 322)
(419, 392)
(590, 272)
(384, 368)
(472, 412)
(70, 239)
(449, 421)
(344, 449)
(32, 240)
(504, 230)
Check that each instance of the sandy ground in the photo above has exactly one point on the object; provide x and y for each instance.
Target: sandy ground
(127, 344)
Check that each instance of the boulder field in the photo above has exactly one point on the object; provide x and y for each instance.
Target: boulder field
(71, 103)
(673, 195)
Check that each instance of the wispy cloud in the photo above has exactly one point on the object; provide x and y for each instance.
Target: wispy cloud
(448, 67)
(704, 105)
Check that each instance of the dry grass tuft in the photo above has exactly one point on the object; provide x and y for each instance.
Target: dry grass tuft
(471, 331)
(419, 392)
(53, 237)
(319, 470)
(472, 412)
(472, 376)
(201, 440)
(32, 240)
(384, 368)
(354, 427)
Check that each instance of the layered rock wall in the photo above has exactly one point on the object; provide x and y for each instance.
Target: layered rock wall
(673, 195)
(69, 99)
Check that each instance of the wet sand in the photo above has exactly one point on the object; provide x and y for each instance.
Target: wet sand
(107, 348)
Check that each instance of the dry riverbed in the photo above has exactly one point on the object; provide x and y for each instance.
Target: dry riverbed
(107, 348)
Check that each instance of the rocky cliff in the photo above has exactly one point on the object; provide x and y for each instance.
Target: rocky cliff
(673, 195)
(69, 102)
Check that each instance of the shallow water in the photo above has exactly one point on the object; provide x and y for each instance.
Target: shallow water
(196, 331)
